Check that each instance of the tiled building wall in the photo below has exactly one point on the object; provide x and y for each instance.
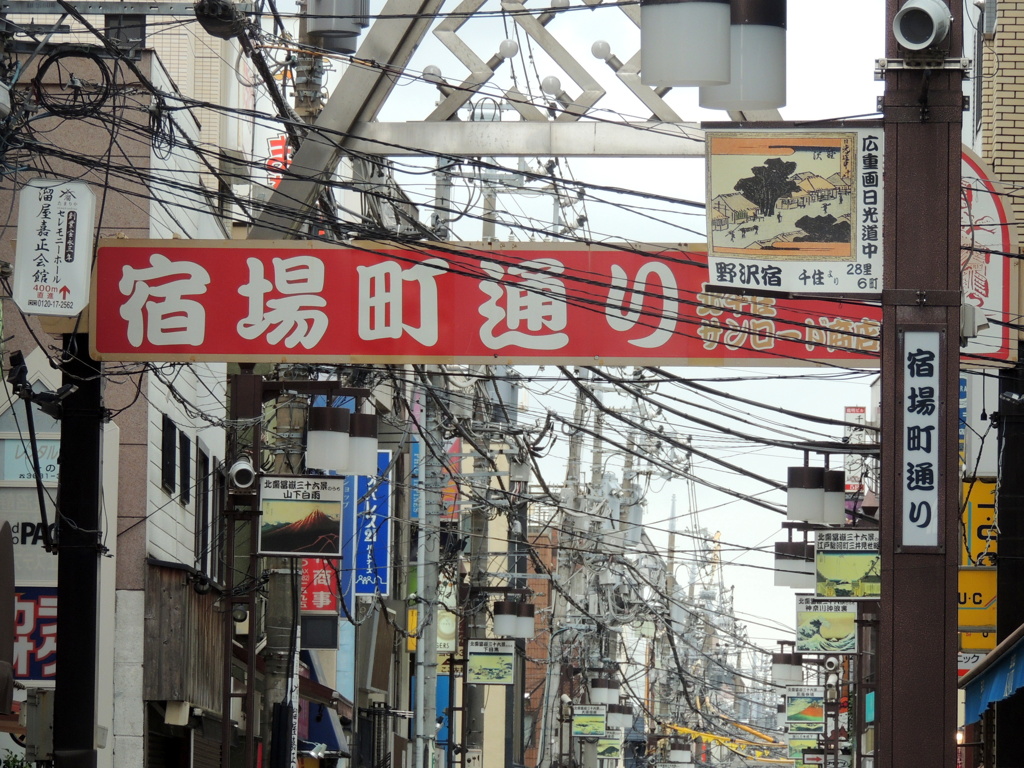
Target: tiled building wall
(1003, 100)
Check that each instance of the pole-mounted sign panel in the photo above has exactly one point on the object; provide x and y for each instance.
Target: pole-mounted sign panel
(53, 255)
(921, 373)
(796, 210)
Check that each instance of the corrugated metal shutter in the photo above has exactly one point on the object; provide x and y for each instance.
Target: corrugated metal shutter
(205, 752)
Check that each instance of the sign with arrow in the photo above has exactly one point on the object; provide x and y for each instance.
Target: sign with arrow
(54, 249)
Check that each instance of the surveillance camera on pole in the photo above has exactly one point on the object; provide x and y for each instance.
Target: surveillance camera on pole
(242, 474)
(922, 24)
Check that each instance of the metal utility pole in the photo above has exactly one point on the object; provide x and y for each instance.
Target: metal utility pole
(916, 709)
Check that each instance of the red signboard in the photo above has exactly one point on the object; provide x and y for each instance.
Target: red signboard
(182, 300)
(319, 586)
(35, 633)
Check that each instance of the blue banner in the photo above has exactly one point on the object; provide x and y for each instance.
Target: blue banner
(368, 503)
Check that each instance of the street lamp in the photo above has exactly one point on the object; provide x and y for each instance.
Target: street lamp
(735, 50)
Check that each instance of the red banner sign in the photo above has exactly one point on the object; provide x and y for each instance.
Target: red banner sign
(319, 585)
(183, 300)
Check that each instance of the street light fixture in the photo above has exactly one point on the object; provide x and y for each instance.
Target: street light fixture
(684, 42)
(757, 52)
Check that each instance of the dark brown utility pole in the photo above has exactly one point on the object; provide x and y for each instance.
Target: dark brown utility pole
(79, 541)
(916, 706)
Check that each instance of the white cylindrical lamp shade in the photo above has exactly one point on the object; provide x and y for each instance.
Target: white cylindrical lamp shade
(363, 445)
(327, 439)
(684, 42)
(835, 497)
(805, 495)
(787, 669)
(794, 564)
(679, 752)
(506, 618)
(620, 716)
(525, 613)
(604, 691)
(757, 64)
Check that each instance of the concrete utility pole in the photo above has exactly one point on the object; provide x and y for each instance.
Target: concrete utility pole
(429, 574)
(916, 705)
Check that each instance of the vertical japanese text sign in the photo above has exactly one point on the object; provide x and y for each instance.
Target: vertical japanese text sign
(53, 255)
(369, 500)
(921, 439)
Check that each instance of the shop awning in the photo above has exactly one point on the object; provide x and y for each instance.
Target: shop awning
(998, 676)
(325, 725)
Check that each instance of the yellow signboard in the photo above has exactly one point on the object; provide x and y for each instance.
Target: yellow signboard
(978, 524)
(978, 641)
(976, 599)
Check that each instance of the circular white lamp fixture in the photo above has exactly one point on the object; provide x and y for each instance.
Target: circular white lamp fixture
(684, 42)
(508, 48)
(551, 85)
(601, 50)
(757, 59)
(432, 74)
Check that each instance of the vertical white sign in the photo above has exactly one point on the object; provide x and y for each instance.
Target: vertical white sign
(921, 438)
(53, 255)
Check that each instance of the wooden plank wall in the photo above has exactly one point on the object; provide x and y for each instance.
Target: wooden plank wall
(184, 642)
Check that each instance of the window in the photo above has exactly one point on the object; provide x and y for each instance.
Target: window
(185, 467)
(169, 447)
(218, 522)
(203, 489)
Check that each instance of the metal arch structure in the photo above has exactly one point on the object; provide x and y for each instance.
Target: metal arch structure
(348, 121)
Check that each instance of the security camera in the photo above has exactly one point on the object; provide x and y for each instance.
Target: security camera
(921, 24)
(831, 663)
(242, 473)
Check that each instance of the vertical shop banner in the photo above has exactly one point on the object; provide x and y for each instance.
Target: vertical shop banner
(855, 434)
(53, 251)
(319, 592)
(368, 501)
(922, 367)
